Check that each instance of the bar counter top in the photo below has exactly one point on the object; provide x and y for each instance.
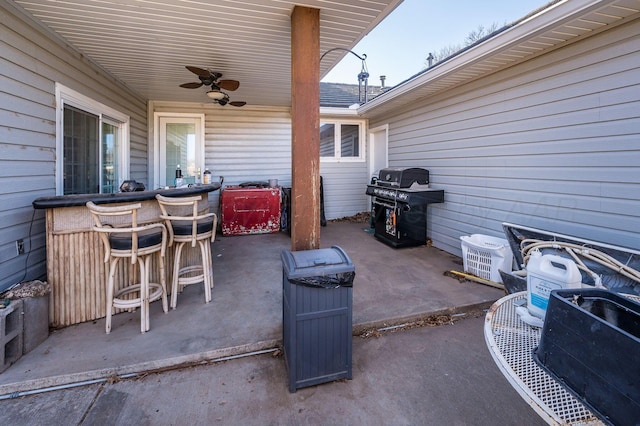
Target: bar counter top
(120, 197)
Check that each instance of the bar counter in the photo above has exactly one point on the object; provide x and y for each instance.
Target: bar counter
(76, 270)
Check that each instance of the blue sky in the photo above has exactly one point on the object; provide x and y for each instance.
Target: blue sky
(398, 46)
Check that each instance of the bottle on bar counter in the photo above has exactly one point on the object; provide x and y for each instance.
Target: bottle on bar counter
(206, 177)
(178, 181)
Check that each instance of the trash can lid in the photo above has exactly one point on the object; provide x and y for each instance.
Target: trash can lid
(318, 262)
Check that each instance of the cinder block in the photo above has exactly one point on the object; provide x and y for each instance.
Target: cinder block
(36, 322)
(11, 332)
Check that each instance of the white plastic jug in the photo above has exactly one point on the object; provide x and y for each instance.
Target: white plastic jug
(545, 273)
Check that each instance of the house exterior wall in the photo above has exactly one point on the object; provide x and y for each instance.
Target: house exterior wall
(254, 144)
(31, 62)
(344, 187)
(241, 144)
(552, 143)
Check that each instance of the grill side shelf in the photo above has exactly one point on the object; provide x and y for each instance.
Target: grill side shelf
(426, 196)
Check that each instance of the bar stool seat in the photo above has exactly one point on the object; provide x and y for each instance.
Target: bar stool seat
(187, 225)
(122, 237)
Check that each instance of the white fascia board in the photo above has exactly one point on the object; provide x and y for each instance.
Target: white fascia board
(338, 112)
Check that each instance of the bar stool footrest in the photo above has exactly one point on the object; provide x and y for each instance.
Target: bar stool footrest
(155, 293)
(191, 279)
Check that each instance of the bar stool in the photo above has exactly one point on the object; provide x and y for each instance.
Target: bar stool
(187, 226)
(122, 237)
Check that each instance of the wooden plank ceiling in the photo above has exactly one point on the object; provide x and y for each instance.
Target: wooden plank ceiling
(147, 44)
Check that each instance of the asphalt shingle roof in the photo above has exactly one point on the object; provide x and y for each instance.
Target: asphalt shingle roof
(341, 95)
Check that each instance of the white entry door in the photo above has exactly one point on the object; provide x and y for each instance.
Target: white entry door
(180, 143)
(379, 149)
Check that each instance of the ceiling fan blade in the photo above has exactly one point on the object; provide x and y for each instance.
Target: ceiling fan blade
(191, 85)
(228, 84)
(199, 71)
(237, 103)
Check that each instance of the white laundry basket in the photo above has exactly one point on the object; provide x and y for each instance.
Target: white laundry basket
(484, 256)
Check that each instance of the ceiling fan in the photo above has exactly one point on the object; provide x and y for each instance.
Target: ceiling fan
(209, 78)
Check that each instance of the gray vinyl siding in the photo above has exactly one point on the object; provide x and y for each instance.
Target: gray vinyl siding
(31, 62)
(242, 144)
(246, 145)
(552, 143)
(254, 144)
(344, 185)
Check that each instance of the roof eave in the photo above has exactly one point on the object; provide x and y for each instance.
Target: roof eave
(552, 16)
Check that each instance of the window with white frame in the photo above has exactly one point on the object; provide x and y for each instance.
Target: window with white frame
(341, 140)
(92, 142)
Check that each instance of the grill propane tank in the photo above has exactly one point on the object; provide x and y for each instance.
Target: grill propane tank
(545, 273)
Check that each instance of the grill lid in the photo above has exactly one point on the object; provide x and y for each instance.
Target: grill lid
(399, 177)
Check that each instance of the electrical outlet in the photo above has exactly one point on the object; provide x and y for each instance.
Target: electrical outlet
(20, 247)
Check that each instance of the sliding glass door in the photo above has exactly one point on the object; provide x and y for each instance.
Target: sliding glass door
(81, 153)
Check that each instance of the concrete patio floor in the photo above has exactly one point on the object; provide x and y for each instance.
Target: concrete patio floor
(391, 287)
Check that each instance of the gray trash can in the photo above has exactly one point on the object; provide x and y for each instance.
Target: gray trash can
(317, 290)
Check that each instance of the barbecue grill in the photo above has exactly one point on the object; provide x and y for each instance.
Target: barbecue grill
(400, 200)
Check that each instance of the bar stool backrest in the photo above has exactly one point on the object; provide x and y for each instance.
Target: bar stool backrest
(185, 209)
(120, 220)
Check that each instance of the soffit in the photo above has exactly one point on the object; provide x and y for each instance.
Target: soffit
(146, 44)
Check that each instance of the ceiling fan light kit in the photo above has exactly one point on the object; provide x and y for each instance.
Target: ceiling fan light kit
(215, 95)
(212, 79)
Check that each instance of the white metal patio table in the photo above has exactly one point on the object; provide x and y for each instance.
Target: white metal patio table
(511, 342)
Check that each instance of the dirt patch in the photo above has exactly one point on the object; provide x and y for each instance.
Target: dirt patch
(450, 274)
(356, 218)
(35, 288)
(428, 321)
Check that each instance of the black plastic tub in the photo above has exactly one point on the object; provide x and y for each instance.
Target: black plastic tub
(513, 283)
(590, 342)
